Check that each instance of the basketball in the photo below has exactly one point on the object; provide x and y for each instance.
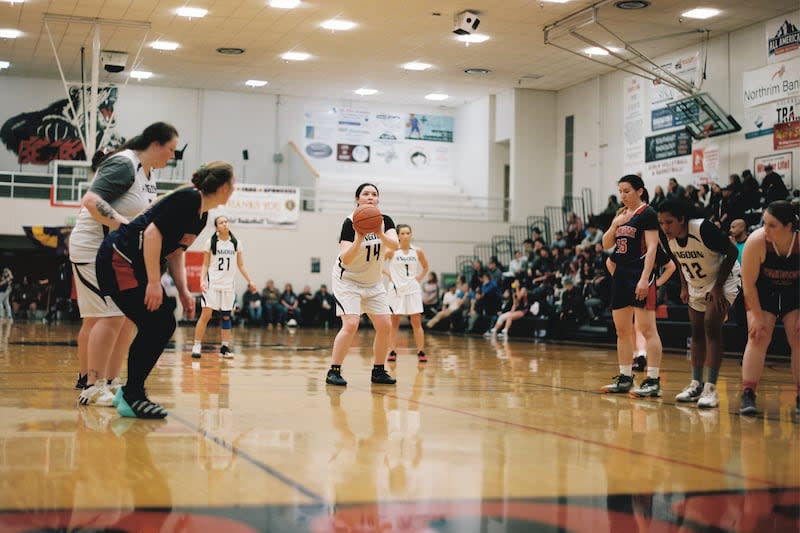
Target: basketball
(367, 219)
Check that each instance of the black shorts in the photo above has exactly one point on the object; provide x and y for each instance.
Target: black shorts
(623, 288)
(778, 300)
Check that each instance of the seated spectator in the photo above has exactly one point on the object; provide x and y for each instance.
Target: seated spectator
(308, 306)
(451, 303)
(772, 186)
(271, 301)
(494, 270)
(519, 308)
(574, 233)
(291, 306)
(657, 199)
(251, 306)
(738, 233)
(326, 304)
(572, 307)
(518, 264)
(735, 183)
(751, 190)
(430, 294)
(613, 205)
(593, 236)
(6, 283)
(675, 190)
(477, 272)
(487, 301)
(560, 241)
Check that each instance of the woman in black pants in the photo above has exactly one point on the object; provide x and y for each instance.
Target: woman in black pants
(129, 266)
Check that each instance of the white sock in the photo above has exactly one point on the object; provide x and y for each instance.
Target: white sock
(626, 370)
(198, 346)
(652, 372)
(642, 353)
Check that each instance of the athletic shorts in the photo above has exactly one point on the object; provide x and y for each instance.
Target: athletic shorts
(623, 288)
(404, 304)
(353, 299)
(778, 300)
(90, 301)
(218, 300)
(697, 296)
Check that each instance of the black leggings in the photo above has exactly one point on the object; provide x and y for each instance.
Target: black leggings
(155, 331)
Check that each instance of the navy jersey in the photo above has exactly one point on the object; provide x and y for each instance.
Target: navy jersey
(177, 217)
(781, 271)
(630, 243)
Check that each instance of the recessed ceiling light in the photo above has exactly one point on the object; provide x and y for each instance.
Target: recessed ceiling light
(555, 1)
(595, 51)
(12, 2)
(4, 64)
(632, 4)
(230, 51)
(164, 45)
(701, 13)
(284, 4)
(255, 83)
(192, 12)
(414, 65)
(338, 25)
(437, 96)
(365, 92)
(472, 38)
(8, 33)
(141, 74)
(476, 71)
(296, 56)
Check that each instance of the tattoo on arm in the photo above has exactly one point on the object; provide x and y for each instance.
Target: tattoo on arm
(105, 210)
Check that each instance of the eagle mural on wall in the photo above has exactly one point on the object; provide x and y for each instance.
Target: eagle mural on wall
(38, 137)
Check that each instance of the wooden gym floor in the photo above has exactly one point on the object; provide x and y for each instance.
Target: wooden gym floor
(487, 437)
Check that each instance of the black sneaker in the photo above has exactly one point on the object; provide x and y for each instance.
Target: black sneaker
(335, 378)
(392, 356)
(748, 405)
(139, 407)
(797, 405)
(639, 363)
(621, 384)
(81, 383)
(421, 357)
(382, 377)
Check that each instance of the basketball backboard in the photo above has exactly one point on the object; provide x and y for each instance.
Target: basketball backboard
(703, 117)
(70, 182)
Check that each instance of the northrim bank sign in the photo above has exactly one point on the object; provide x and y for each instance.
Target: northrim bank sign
(771, 83)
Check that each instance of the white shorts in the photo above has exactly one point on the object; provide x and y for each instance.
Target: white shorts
(697, 296)
(218, 300)
(404, 304)
(352, 299)
(90, 303)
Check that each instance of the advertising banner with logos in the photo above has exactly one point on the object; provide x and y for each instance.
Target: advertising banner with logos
(759, 120)
(267, 206)
(687, 68)
(786, 135)
(783, 37)
(781, 163)
(774, 82)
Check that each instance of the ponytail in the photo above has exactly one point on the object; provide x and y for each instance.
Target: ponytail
(211, 176)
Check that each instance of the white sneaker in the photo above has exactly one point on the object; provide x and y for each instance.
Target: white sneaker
(691, 393)
(292, 323)
(489, 333)
(114, 385)
(98, 394)
(709, 397)
(501, 335)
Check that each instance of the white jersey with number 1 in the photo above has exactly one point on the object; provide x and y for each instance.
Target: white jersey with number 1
(404, 268)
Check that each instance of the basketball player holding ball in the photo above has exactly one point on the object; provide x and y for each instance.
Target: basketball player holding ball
(407, 268)
(356, 282)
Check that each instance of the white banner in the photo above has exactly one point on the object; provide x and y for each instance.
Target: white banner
(783, 37)
(759, 120)
(633, 125)
(658, 172)
(262, 205)
(773, 82)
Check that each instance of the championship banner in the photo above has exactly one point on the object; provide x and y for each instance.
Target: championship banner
(268, 206)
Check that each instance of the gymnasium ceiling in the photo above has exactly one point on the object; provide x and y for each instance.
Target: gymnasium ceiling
(389, 34)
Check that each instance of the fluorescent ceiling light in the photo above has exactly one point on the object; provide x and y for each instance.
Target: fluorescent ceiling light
(472, 38)
(192, 12)
(141, 74)
(8, 33)
(437, 96)
(595, 51)
(255, 83)
(12, 2)
(4, 64)
(338, 25)
(284, 4)
(701, 13)
(296, 56)
(413, 65)
(365, 92)
(164, 45)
